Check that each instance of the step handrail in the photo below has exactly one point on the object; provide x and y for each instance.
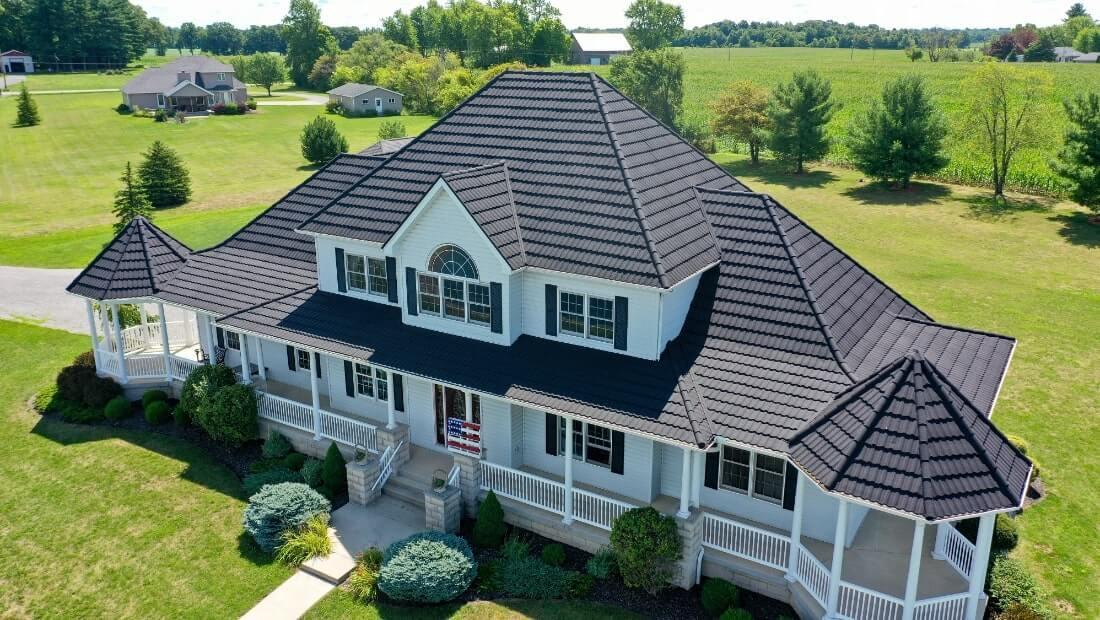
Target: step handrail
(386, 464)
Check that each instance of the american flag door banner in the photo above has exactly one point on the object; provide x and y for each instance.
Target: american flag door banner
(464, 437)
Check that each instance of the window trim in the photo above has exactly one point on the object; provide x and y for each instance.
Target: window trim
(383, 279)
(750, 490)
(304, 360)
(586, 315)
(378, 380)
(349, 272)
(580, 436)
(442, 298)
(221, 76)
(232, 337)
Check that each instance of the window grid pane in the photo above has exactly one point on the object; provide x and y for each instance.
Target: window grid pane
(480, 310)
(233, 340)
(382, 381)
(378, 283)
(356, 272)
(572, 313)
(601, 318)
(363, 383)
(452, 261)
(429, 294)
(768, 482)
(303, 359)
(735, 468)
(598, 445)
(454, 299)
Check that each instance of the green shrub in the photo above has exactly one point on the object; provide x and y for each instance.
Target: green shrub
(321, 141)
(152, 396)
(579, 585)
(180, 415)
(277, 446)
(84, 360)
(160, 116)
(489, 529)
(71, 381)
(47, 399)
(645, 544)
(529, 577)
(201, 383)
(229, 416)
(312, 472)
(1012, 586)
(335, 473)
(294, 461)
(78, 413)
(553, 554)
(429, 567)
(158, 412)
(252, 483)
(362, 583)
(98, 391)
(333, 107)
(117, 408)
(262, 465)
(371, 558)
(310, 540)
(277, 508)
(515, 548)
(719, 595)
(601, 565)
(736, 614)
(1005, 535)
(122, 108)
(1020, 443)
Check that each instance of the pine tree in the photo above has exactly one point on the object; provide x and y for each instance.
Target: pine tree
(130, 202)
(163, 177)
(26, 113)
(900, 136)
(798, 112)
(1079, 160)
(321, 142)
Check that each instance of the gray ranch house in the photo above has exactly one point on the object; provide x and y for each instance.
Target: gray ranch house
(364, 99)
(187, 84)
(598, 48)
(559, 300)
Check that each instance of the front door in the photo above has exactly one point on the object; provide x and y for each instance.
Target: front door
(449, 403)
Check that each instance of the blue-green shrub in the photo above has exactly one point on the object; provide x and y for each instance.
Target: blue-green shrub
(429, 567)
(276, 508)
(601, 565)
(529, 577)
(254, 482)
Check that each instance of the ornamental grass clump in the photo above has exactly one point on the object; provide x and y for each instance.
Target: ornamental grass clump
(277, 446)
(276, 508)
(429, 567)
(362, 583)
(311, 540)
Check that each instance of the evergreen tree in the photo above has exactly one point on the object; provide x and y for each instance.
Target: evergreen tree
(130, 202)
(654, 80)
(321, 142)
(1079, 160)
(1077, 10)
(163, 177)
(26, 111)
(741, 112)
(798, 111)
(307, 39)
(900, 136)
(1042, 49)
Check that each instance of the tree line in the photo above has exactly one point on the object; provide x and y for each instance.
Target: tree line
(823, 33)
(63, 33)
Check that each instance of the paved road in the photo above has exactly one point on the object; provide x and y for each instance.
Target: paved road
(306, 99)
(13, 81)
(38, 295)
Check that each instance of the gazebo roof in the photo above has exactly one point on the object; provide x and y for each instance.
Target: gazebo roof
(905, 438)
(134, 264)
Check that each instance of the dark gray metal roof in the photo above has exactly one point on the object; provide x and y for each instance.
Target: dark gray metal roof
(136, 263)
(601, 188)
(907, 439)
(486, 193)
(386, 147)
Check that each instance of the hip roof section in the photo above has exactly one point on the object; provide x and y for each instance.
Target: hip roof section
(136, 263)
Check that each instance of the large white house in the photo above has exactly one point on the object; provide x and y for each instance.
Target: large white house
(550, 295)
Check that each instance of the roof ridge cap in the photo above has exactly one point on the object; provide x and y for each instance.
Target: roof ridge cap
(811, 298)
(878, 415)
(960, 328)
(131, 227)
(654, 255)
(515, 212)
(922, 427)
(474, 169)
(686, 373)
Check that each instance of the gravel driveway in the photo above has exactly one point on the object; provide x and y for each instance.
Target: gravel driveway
(38, 295)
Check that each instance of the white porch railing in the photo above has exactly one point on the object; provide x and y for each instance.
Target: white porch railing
(859, 603)
(597, 510)
(452, 476)
(746, 541)
(294, 414)
(349, 431)
(953, 547)
(145, 365)
(108, 362)
(136, 337)
(182, 367)
(523, 487)
(813, 576)
(950, 607)
(285, 411)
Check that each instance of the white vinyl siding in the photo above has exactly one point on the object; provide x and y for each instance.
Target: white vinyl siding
(674, 308)
(373, 285)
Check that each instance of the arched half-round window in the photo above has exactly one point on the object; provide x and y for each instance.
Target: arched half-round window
(451, 260)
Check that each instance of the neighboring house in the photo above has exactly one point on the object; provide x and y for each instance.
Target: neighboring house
(386, 147)
(366, 99)
(598, 48)
(1065, 54)
(1090, 57)
(551, 296)
(15, 61)
(187, 84)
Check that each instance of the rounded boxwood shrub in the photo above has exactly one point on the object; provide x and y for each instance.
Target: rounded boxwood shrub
(429, 567)
(254, 482)
(117, 408)
(158, 412)
(152, 396)
(736, 614)
(1005, 535)
(277, 446)
(201, 383)
(276, 508)
(719, 595)
(489, 529)
(229, 415)
(294, 461)
(645, 544)
(553, 554)
(99, 391)
(579, 585)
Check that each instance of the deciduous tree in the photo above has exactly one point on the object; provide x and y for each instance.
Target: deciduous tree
(654, 79)
(1079, 160)
(653, 24)
(188, 37)
(798, 111)
(307, 39)
(163, 178)
(321, 141)
(130, 201)
(266, 70)
(741, 112)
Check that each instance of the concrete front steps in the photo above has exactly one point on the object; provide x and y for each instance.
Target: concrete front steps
(407, 488)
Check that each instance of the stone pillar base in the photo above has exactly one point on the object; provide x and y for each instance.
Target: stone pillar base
(443, 509)
(387, 438)
(691, 540)
(469, 481)
(361, 478)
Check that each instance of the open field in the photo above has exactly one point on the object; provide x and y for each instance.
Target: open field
(61, 184)
(857, 77)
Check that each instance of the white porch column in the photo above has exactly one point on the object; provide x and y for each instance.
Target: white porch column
(144, 323)
(260, 359)
(246, 364)
(941, 540)
(981, 563)
(796, 528)
(213, 336)
(92, 330)
(685, 486)
(391, 408)
(103, 324)
(838, 558)
(167, 351)
(469, 405)
(123, 375)
(696, 476)
(913, 577)
(568, 508)
(316, 396)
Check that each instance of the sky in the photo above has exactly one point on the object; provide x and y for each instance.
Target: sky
(609, 13)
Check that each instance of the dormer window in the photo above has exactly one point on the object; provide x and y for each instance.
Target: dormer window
(221, 77)
(587, 316)
(450, 288)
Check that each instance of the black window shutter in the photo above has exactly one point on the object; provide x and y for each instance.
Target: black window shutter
(496, 307)
(391, 278)
(620, 323)
(341, 275)
(317, 364)
(551, 310)
(789, 483)
(221, 336)
(398, 393)
(410, 289)
(349, 379)
(710, 477)
(617, 440)
(551, 434)
(291, 358)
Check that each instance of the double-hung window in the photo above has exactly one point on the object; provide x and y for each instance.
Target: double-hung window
(304, 359)
(377, 280)
(233, 340)
(221, 77)
(586, 316)
(454, 299)
(757, 475)
(372, 382)
(450, 288)
(591, 443)
(356, 270)
(429, 293)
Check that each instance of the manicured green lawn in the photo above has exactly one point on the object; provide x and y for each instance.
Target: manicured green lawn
(1031, 270)
(77, 81)
(101, 523)
(339, 606)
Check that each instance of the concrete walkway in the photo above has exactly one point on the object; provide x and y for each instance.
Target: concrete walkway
(353, 529)
(38, 296)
